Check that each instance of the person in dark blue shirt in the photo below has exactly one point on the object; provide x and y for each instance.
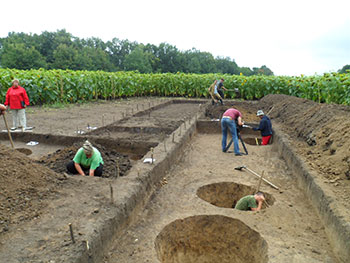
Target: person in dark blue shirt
(265, 127)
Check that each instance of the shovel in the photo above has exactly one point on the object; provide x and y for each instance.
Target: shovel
(22, 150)
(239, 168)
(8, 131)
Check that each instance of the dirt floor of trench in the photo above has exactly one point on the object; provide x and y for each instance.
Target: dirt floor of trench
(30, 193)
(290, 225)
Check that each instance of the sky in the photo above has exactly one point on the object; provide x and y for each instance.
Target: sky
(290, 37)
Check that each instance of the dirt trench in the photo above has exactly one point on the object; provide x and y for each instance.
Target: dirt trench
(280, 234)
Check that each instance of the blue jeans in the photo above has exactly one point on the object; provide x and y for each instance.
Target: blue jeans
(231, 125)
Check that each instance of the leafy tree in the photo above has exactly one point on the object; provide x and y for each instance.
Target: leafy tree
(345, 69)
(65, 57)
(138, 60)
(20, 57)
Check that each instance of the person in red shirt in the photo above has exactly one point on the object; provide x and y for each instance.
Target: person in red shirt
(228, 122)
(17, 99)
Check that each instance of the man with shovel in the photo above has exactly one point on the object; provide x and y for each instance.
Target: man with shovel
(251, 202)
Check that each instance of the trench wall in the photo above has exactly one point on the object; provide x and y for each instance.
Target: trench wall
(146, 179)
(337, 228)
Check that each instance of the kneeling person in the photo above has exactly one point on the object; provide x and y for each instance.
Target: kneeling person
(87, 160)
(265, 127)
(251, 202)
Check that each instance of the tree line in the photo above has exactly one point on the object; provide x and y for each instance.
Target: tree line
(62, 50)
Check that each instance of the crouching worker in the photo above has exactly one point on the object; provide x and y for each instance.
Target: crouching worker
(265, 127)
(251, 202)
(87, 160)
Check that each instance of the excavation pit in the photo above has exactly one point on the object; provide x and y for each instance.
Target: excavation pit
(210, 238)
(227, 194)
(115, 163)
(252, 141)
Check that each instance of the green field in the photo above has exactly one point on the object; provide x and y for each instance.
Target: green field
(67, 86)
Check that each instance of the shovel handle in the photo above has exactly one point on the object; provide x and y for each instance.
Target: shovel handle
(266, 181)
(8, 131)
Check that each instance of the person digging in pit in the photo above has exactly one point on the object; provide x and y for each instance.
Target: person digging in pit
(87, 161)
(251, 202)
(265, 127)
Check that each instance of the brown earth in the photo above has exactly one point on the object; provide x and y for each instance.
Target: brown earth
(24, 187)
(321, 134)
(57, 161)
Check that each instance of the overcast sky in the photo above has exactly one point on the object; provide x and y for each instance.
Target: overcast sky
(290, 37)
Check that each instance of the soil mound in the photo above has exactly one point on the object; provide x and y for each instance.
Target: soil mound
(24, 186)
(58, 160)
(324, 127)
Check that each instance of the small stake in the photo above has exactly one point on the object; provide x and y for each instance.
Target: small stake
(71, 233)
(149, 104)
(173, 137)
(123, 114)
(118, 170)
(165, 146)
(113, 118)
(132, 111)
(137, 107)
(180, 131)
(152, 154)
(111, 188)
(103, 120)
(256, 140)
(185, 124)
(138, 172)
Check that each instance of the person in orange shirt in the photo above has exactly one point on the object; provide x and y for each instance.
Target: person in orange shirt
(17, 99)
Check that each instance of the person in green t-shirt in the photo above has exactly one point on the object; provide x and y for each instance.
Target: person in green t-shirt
(87, 160)
(251, 202)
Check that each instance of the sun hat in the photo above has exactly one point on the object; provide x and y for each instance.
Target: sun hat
(259, 113)
(87, 146)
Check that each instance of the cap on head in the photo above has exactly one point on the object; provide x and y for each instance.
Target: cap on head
(259, 113)
(87, 146)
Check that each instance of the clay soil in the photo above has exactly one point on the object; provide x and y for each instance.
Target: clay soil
(30, 191)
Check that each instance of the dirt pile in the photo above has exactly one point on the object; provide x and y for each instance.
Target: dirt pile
(24, 187)
(325, 129)
(58, 160)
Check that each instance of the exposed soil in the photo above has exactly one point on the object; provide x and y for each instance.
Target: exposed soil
(30, 191)
(115, 164)
(24, 188)
(322, 136)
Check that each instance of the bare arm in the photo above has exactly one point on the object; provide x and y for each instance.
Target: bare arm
(239, 120)
(78, 168)
(92, 172)
(257, 208)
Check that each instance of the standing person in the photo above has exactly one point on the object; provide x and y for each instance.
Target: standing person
(213, 91)
(221, 87)
(87, 160)
(251, 202)
(228, 121)
(17, 99)
(265, 127)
